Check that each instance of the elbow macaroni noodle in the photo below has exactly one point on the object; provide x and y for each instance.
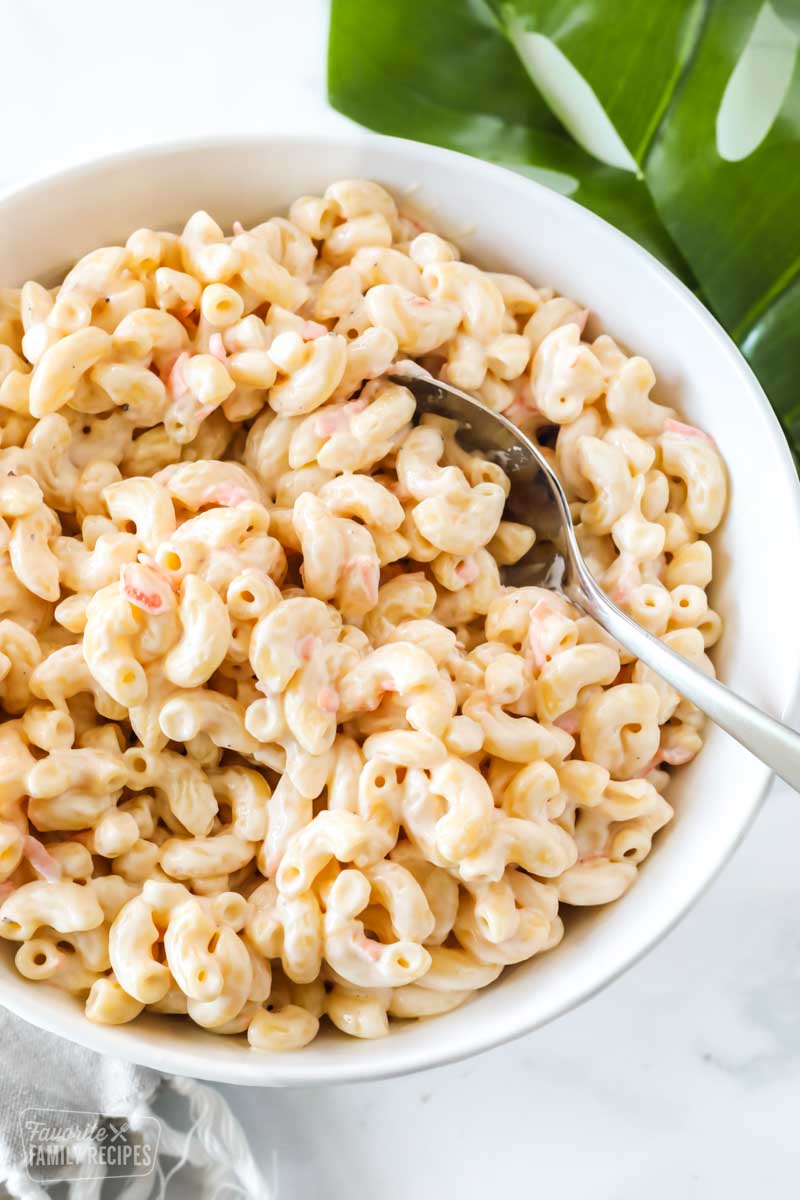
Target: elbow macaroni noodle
(277, 744)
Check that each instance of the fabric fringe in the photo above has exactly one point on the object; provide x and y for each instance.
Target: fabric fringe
(20, 1186)
(214, 1145)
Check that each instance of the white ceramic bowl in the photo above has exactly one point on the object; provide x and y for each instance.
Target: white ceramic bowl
(508, 223)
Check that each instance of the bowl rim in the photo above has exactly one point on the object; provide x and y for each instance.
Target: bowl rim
(285, 1070)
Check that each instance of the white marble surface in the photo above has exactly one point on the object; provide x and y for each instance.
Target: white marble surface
(683, 1078)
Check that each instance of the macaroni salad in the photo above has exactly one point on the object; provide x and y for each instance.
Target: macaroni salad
(276, 742)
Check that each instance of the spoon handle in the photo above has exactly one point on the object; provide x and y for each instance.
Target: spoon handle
(773, 742)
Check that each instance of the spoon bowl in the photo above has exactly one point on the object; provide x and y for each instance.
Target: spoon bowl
(555, 561)
(536, 498)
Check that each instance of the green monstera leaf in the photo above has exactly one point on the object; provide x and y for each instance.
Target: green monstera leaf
(676, 120)
(413, 68)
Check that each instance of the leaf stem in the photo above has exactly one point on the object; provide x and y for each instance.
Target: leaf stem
(690, 43)
(757, 310)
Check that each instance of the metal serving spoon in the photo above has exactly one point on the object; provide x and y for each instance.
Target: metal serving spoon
(537, 500)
